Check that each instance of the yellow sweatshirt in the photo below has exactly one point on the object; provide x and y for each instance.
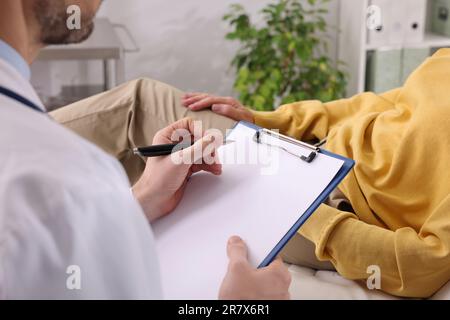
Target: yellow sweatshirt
(400, 186)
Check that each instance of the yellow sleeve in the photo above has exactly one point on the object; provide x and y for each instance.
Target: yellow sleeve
(309, 120)
(413, 264)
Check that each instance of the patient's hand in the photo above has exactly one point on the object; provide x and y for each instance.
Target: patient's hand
(228, 107)
(243, 282)
(161, 187)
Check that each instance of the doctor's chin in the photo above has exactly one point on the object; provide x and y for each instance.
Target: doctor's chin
(225, 155)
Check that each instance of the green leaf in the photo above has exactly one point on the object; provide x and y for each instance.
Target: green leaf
(281, 58)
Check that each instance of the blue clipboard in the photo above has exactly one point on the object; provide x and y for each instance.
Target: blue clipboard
(343, 172)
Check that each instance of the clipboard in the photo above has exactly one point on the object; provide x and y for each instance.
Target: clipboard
(191, 242)
(315, 149)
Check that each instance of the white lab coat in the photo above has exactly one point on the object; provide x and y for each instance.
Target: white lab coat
(63, 203)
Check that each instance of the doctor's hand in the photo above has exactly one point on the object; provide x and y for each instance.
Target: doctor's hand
(225, 106)
(243, 282)
(162, 185)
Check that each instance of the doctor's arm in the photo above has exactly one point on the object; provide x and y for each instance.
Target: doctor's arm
(160, 190)
(162, 185)
(74, 240)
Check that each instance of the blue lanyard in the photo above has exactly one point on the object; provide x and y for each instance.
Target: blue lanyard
(12, 95)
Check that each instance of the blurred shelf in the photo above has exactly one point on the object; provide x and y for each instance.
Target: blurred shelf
(354, 47)
(103, 45)
(431, 40)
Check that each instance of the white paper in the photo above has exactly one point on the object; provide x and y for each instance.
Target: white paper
(257, 202)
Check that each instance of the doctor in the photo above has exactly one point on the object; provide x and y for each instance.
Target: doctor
(69, 226)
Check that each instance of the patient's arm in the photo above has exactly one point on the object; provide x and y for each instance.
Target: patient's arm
(412, 263)
(225, 106)
(310, 120)
(307, 120)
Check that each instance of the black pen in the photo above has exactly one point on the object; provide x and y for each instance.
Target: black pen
(164, 149)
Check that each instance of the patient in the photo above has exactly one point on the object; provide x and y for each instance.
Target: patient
(392, 211)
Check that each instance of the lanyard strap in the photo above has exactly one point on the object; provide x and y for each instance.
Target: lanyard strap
(11, 94)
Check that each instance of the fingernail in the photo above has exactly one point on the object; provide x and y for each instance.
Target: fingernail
(210, 138)
(215, 108)
(235, 239)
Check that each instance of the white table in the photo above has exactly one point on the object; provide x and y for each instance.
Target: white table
(103, 45)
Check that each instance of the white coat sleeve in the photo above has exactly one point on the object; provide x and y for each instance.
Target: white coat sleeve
(74, 241)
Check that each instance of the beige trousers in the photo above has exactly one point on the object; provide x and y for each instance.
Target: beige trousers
(130, 115)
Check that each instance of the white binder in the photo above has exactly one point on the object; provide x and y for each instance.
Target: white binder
(378, 36)
(402, 22)
(415, 19)
(396, 23)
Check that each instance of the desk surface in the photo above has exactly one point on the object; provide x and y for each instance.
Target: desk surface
(104, 44)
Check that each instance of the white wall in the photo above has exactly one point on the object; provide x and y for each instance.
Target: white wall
(182, 42)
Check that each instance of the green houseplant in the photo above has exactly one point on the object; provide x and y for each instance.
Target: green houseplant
(283, 59)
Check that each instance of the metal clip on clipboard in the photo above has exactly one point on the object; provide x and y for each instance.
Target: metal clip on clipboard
(314, 150)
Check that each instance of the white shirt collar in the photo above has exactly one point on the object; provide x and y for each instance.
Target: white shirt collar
(14, 58)
(13, 80)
